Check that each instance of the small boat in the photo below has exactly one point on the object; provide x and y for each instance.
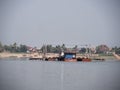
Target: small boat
(84, 59)
(35, 58)
(99, 59)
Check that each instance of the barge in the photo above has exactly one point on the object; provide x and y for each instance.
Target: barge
(66, 56)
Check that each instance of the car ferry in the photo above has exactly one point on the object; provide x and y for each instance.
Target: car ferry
(71, 57)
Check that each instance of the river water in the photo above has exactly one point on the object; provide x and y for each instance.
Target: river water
(54, 75)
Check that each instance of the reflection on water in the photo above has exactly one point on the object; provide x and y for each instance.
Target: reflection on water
(43, 75)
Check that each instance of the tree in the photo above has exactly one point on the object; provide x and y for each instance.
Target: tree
(58, 49)
(23, 48)
(82, 50)
(49, 48)
(63, 47)
(116, 50)
(14, 47)
(1, 47)
(75, 47)
(44, 49)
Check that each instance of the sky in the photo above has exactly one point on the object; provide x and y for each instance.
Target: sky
(72, 22)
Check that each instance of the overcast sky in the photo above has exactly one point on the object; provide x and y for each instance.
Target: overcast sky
(38, 22)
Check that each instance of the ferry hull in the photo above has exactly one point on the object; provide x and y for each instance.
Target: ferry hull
(70, 60)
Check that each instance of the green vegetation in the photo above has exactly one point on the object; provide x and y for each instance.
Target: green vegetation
(102, 50)
(116, 49)
(14, 48)
(51, 49)
(1, 47)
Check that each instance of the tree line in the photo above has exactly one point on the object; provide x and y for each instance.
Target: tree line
(13, 48)
(100, 49)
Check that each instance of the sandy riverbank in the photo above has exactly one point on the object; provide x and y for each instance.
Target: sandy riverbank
(117, 56)
(27, 55)
(17, 55)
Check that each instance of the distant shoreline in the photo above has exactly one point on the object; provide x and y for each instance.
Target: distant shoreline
(26, 55)
(34, 55)
(17, 55)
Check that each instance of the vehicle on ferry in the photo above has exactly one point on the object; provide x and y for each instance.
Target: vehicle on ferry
(71, 57)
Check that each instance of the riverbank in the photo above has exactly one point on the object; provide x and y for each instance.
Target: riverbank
(116, 55)
(98, 56)
(41, 55)
(16, 55)
(26, 55)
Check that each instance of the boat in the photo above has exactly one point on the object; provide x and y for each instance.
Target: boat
(35, 58)
(71, 57)
(99, 59)
(84, 59)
